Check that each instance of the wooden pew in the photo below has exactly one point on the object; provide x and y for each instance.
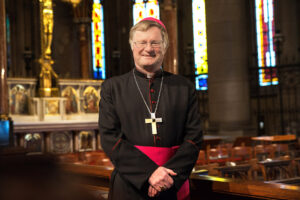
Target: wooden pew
(90, 175)
(276, 169)
(239, 171)
(93, 178)
(216, 188)
(297, 166)
(202, 187)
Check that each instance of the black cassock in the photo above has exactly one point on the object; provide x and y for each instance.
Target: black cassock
(122, 114)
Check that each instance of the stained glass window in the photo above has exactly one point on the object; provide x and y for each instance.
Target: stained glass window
(142, 9)
(200, 44)
(264, 12)
(98, 49)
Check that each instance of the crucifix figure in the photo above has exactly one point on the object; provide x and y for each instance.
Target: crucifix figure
(153, 120)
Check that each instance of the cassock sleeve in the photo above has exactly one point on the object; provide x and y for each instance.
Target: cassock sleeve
(132, 164)
(186, 156)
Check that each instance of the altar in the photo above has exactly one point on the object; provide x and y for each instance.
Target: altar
(63, 124)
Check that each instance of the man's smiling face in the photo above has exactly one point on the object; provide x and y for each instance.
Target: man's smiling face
(148, 49)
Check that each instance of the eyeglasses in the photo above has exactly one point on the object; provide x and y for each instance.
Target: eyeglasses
(143, 44)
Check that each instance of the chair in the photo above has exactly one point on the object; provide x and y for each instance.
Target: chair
(212, 142)
(270, 149)
(241, 153)
(261, 153)
(243, 141)
(254, 171)
(281, 150)
(297, 166)
(201, 158)
(217, 155)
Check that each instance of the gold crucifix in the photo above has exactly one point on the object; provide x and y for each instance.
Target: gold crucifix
(153, 120)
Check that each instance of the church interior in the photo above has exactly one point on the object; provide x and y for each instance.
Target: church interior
(243, 57)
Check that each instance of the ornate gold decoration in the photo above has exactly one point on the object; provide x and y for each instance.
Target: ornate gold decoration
(48, 78)
(46, 12)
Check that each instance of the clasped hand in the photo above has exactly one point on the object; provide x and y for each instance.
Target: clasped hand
(160, 180)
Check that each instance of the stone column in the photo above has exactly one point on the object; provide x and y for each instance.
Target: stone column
(83, 17)
(168, 14)
(228, 87)
(287, 23)
(84, 51)
(3, 63)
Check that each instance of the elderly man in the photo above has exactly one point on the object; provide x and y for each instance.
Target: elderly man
(149, 122)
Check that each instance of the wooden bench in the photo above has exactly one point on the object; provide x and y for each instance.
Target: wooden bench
(236, 171)
(276, 169)
(202, 187)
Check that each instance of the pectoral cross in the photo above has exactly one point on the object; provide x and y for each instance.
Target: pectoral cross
(153, 120)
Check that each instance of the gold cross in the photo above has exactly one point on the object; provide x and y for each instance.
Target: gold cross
(153, 120)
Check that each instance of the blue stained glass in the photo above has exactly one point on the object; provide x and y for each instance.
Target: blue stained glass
(201, 82)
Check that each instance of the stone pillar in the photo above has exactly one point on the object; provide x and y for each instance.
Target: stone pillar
(84, 51)
(228, 87)
(3, 63)
(287, 23)
(168, 14)
(83, 17)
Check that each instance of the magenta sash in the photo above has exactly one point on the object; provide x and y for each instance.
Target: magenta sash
(160, 155)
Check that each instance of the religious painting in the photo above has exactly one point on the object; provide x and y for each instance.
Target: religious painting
(86, 141)
(90, 100)
(71, 102)
(51, 107)
(61, 142)
(34, 142)
(19, 100)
